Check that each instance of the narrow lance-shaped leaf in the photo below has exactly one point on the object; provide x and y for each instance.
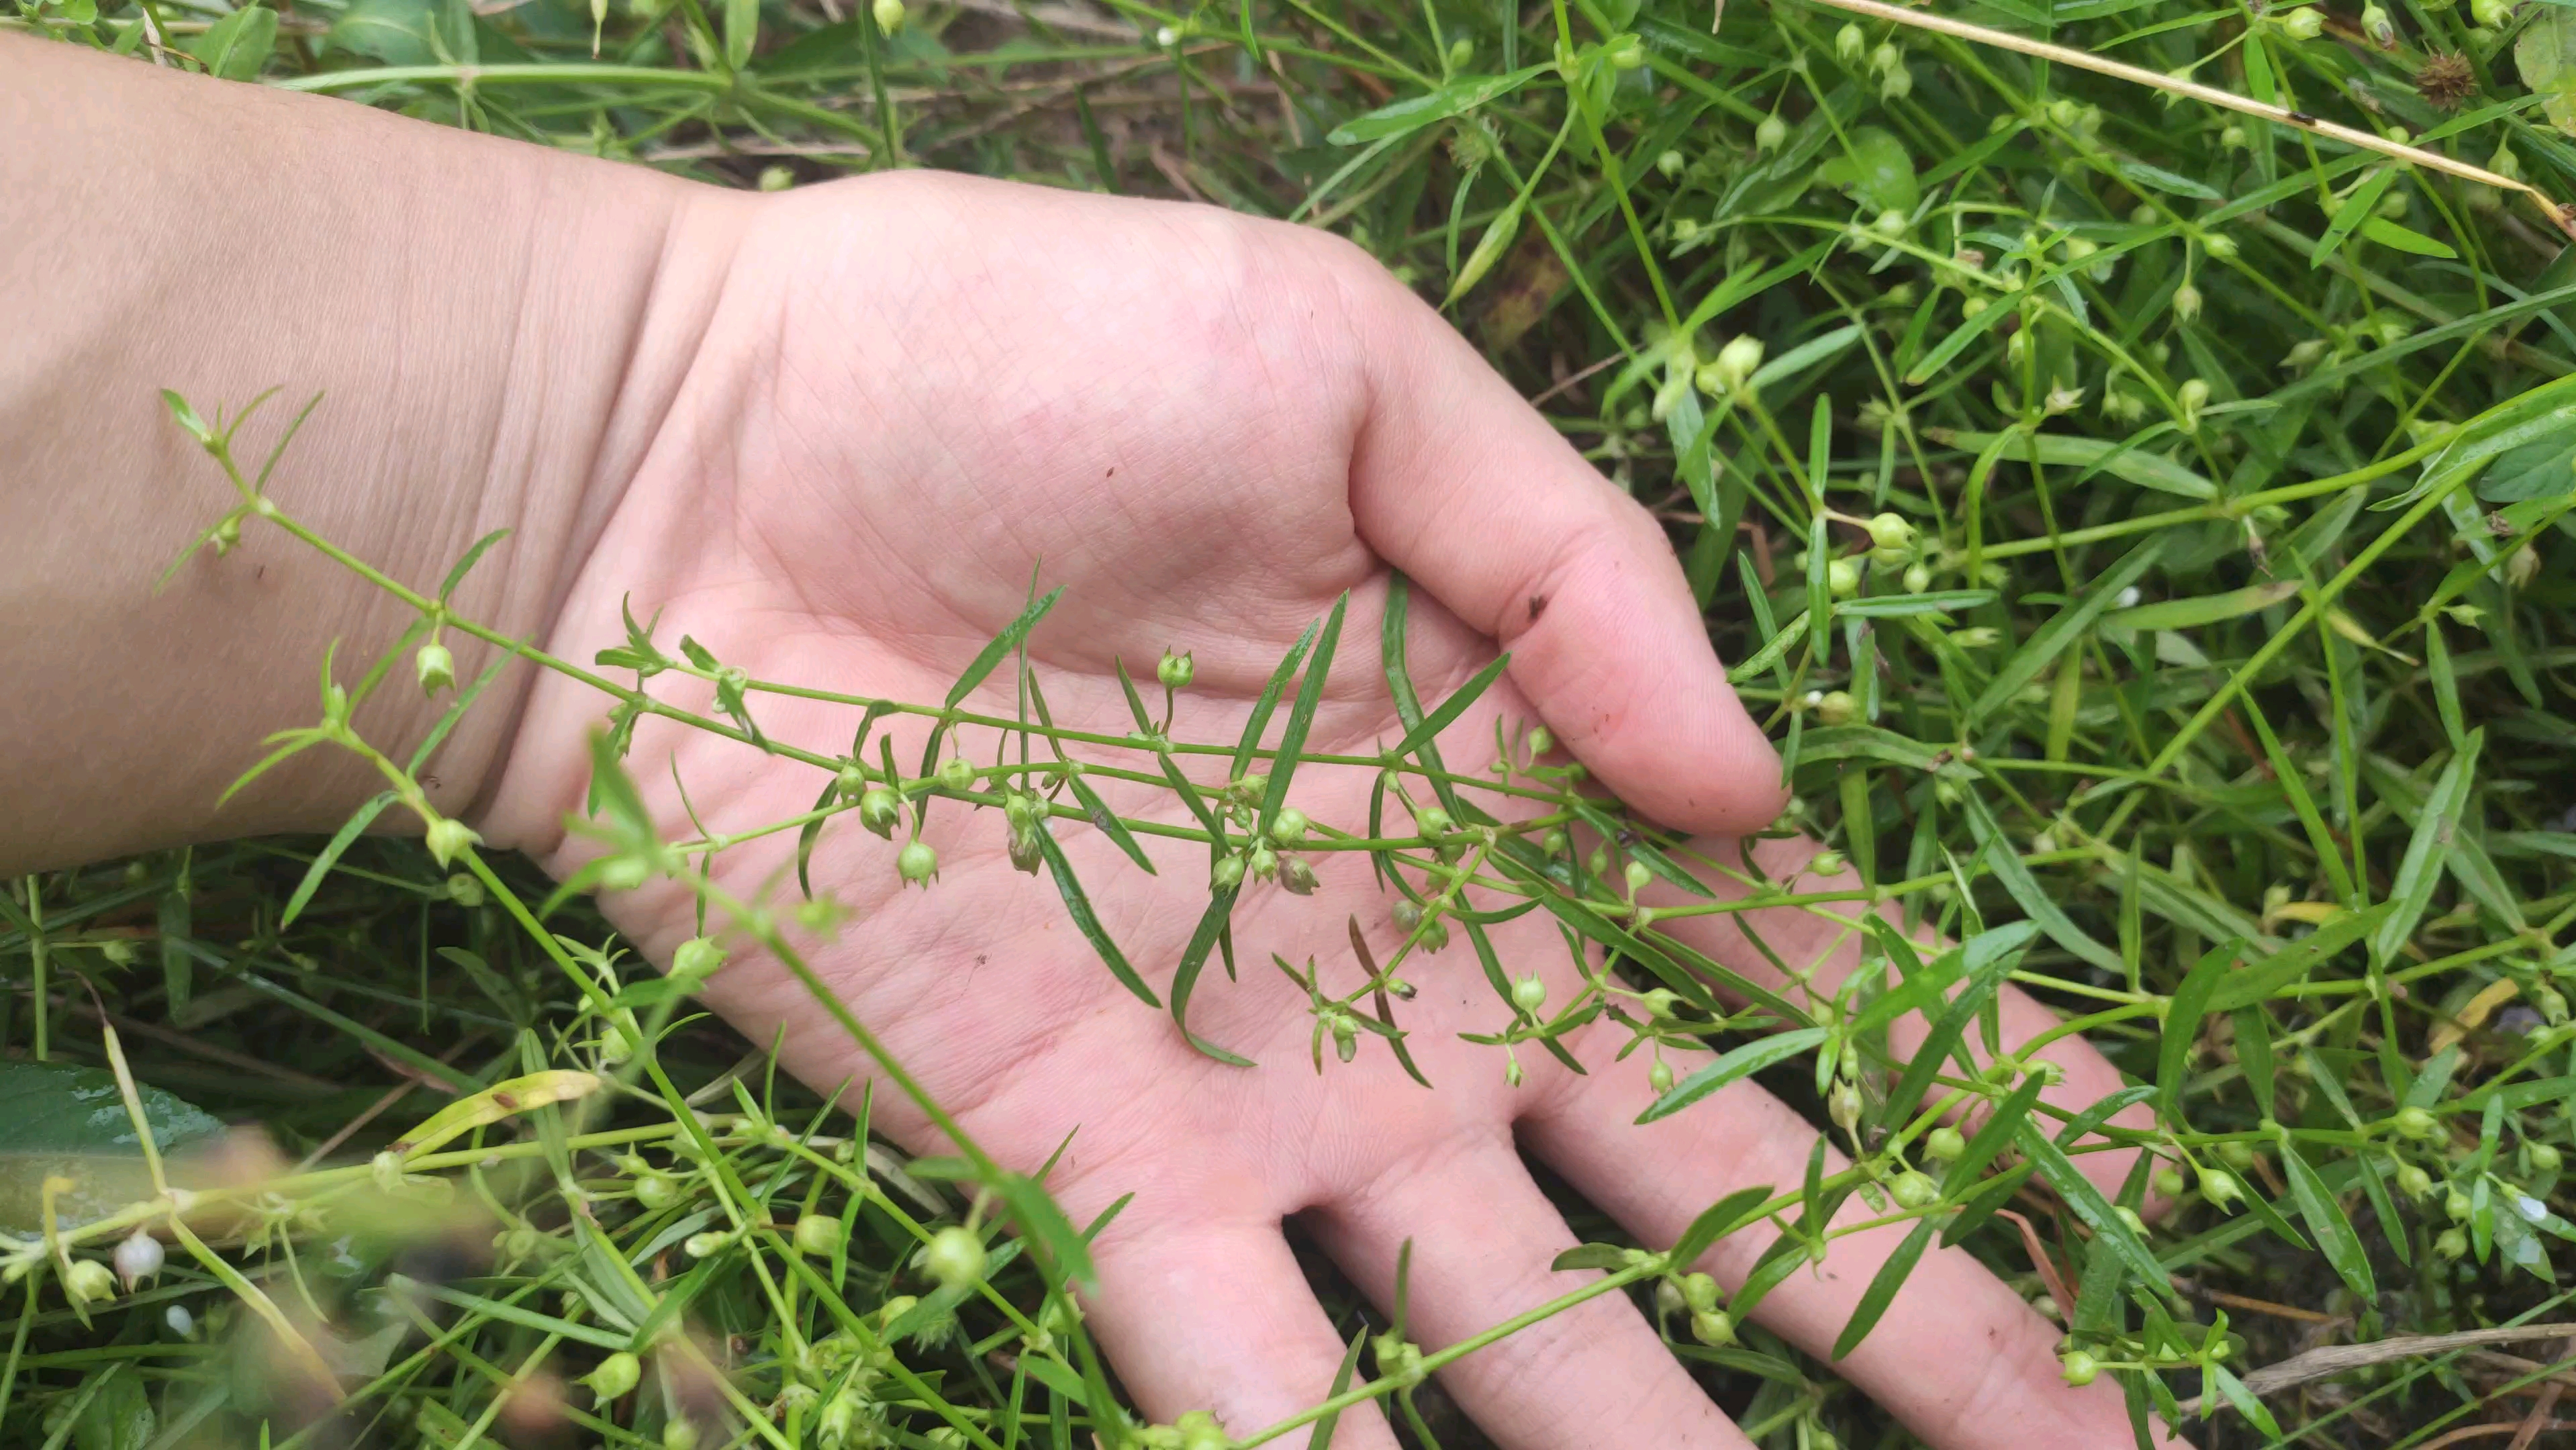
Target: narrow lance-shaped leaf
(1193, 958)
(1077, 904)
(1882, 1289)
(1001, 646)
(1258, 721)
(1301, 715)
(2421, 870)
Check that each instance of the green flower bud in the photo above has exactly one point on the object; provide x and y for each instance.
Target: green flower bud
(2544, 1157)
(2236, 1155)
(138, 1257)
(2186, 303)
(437, 668)
(2451, 1243)
(2416, 1123)
(1891, 531)
(1432, 822)
(1912, 1189)
(1529, 993)
(1541, 741)
(1842, 1104)
(1627, 52)
(1769, 133)
(1713, 1327)
(696, 959)
(1660, 1002)
(1849, 43)
(707, 1245)
(2168, 1182)
(1026, 852)
(879, 809)
(1021, 810)
(1842, 578)
(2458, 1206)
(2078, 1368)
(1288, 827)
(888, 13)
(1699, 1293)
(1944, 1144)
(1263, 862)
(1462, 53)
(1512, 1074)
(1669, 163)
(614, 1378)
(1918, 577)
(2413, 1181)
(1200, 1431)
(1836, 707)
(956, 773)
(955, 1257)
(1176, 671)
(1346, 1034)
(465, 891)
(2219, 1188)
(680, 1434)
(1826, 863)
(2306, 23)
(1732, 368)
(819, 1234)
(1660, 1077)
(656, 1191)
(2219, 246)
(917, 863)
(1398, 1359)
(1637, 875)
(1227, 874)
(448, 838)
(88, 1281)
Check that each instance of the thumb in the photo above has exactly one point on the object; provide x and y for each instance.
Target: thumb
(1466, 488)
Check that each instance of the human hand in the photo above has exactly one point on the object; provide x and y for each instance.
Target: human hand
(877, 407)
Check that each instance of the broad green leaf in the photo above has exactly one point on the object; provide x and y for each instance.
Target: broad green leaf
(1875, 167)
(397, 32)
(2546, 57)
(2122, 459)
(1742, 1062)
(61, 1120)
(235, 47)
(1415, 112)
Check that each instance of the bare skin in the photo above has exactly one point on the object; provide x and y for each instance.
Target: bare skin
(831, 433)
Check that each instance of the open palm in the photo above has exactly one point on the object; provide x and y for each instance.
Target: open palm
(907, 394)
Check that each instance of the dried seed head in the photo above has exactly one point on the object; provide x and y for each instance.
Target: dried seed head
(2445, 79)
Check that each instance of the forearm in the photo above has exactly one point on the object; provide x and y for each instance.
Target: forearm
(483, 319)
